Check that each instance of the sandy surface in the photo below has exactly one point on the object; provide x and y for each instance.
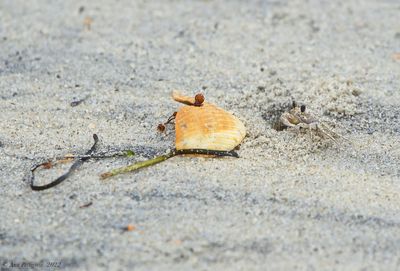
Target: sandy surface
(286, 203)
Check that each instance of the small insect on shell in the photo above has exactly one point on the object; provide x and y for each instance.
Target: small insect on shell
(206, 127)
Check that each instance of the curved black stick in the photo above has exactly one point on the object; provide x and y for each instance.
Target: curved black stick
(78, 162)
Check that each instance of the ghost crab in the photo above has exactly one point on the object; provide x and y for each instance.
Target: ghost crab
(298, 118)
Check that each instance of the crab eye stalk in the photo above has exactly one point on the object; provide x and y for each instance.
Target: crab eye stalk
(294, 104)
(303, 108)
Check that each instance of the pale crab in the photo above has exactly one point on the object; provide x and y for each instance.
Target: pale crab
(298, 118)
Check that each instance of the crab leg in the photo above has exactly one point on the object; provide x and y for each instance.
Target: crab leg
(326, 133)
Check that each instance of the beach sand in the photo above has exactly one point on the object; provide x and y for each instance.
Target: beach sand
(288, 203)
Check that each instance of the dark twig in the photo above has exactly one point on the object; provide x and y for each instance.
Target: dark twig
(86, 205)
(78, 161)
(78, 102)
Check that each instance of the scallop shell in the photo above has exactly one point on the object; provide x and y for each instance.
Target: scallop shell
(206, 127)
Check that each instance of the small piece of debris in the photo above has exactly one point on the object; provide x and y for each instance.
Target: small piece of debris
(396, 56)
(87, 22)
(130, 227)
(47, 165)
(75, 103)
(356, 92)
(73, 196)
(261, 88)
(69, 156)
(176, 242)
(78, 102)
(161, 127)
(86, 205)
(129, 153)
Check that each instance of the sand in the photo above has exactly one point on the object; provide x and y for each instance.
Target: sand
(287, 203)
